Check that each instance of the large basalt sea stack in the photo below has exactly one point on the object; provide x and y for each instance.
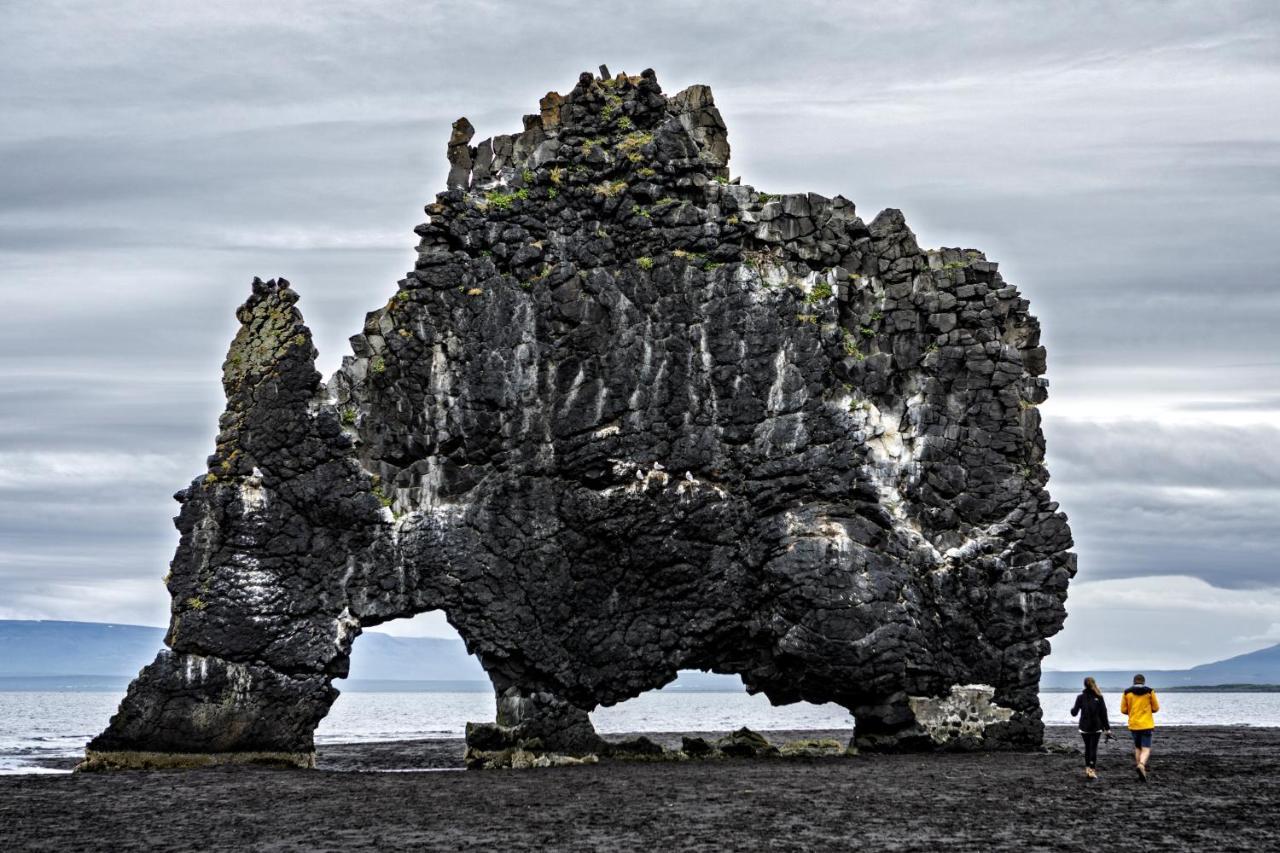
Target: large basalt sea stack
(627, 417)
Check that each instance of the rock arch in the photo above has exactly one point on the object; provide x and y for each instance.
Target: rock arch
(627, 417)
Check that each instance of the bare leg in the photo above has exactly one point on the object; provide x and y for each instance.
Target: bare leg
(1140, 756)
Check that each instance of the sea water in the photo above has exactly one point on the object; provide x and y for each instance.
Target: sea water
(41, 725)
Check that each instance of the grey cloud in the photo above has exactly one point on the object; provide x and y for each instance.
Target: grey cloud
(1113, 157)
(1147, 498)
(1150, 454)
(1261, 403)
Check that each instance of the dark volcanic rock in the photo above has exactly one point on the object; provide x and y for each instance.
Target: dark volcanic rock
(696, 747)
(626, 418)
(745, 743)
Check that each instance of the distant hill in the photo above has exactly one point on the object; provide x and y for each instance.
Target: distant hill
(53, 655)
(383, 657)
(45, 652)
(1260, 667)
(47, 649)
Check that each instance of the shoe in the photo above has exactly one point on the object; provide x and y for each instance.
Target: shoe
(1090, 773)
(1142, 772)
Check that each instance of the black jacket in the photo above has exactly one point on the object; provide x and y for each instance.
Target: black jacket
(1093, 712)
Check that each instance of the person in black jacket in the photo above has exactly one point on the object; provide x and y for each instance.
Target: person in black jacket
(1092, 710)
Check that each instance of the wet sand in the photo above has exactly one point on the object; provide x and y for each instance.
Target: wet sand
(1210, 789)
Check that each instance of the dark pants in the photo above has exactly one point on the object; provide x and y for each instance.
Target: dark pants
(1091, 748)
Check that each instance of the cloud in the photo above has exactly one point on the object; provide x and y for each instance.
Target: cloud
(26, 473)
(1161, 622)
(310, 239)
(155, 157)
(1152, 498)
(1262, 402)
(1182, 460)
(130, 601)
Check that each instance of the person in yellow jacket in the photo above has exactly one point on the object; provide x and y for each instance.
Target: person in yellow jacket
(1139, 703)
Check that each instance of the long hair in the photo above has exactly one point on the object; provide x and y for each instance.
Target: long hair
(1091, 686)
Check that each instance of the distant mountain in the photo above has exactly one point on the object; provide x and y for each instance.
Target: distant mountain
(1260, 667)
(47, 649)
(378, 656)
(45, 652)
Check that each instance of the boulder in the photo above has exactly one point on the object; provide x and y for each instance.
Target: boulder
(745, 743)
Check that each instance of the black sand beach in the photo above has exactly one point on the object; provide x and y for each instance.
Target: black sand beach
(1211, 789)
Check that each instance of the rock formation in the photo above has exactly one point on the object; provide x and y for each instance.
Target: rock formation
(627, 417)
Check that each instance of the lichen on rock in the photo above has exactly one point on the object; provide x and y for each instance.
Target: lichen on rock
(625, 417)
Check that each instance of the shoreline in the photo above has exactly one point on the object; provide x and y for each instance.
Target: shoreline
(1211, 788)
(118, 684)
(438, 751)
(445, 751)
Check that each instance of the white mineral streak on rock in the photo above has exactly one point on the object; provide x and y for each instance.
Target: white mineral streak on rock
(643, 374)
(241, 680)
(571, 397)
(607, 431)
(428, 499)
(345, 627)
(704, 353)
(204, 538)
(253, 497)
(526, 366)
(602, 397)
(809, 282)
(783, 435)
(252, 581)
(646, 360)
(432, 478)
(756, 288)
(964, 712)
(742, 355)
(891, 455)
(524, 375)
(195, 668)
(439, 379)
(348, 572)
(661, 375)
(776, 393)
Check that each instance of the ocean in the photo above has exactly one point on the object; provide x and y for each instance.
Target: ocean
(53, 724)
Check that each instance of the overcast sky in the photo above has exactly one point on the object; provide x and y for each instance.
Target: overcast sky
(1120, 160)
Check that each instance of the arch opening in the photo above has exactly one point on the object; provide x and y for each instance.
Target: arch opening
(711, 707)
(409, 679)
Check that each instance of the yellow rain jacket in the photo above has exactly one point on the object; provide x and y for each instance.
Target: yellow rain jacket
(1140, 702)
